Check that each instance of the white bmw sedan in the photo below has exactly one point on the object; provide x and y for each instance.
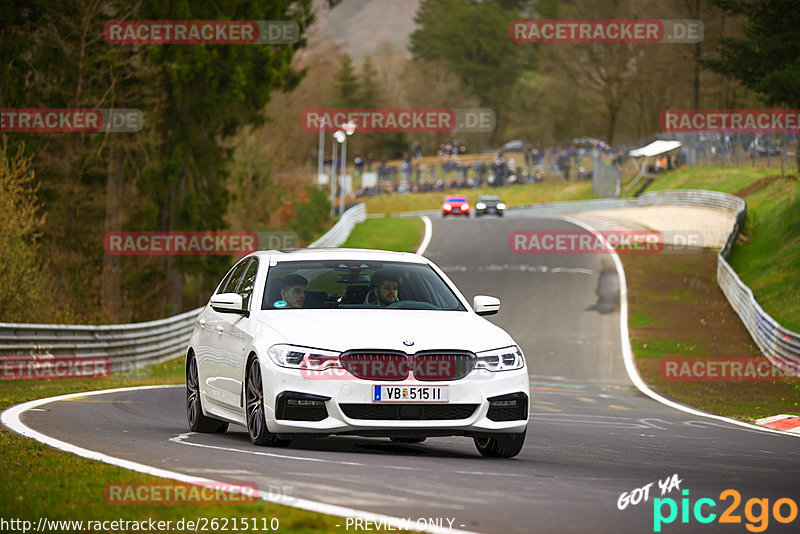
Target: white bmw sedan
(361, 342)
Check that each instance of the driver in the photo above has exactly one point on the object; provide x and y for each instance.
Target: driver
(293, 290)
(387, 284)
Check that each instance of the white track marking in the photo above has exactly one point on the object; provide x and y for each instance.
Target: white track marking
(11, 419)
(627, 352)
(426, 240)
(181, 439)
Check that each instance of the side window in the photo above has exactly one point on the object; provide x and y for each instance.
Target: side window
(225, 281)
(232, 280)
(248, 282)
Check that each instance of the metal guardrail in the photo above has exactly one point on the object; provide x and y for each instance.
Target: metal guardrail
(133, 345)
(126, 346)
(341, 230)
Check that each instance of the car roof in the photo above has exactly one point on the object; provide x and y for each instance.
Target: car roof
(346, 254)
(489, 197)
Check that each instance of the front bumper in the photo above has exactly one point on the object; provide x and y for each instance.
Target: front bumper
(490, 210)
(349, 395)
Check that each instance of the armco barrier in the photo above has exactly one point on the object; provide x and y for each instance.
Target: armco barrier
(143, 343)
(341, 230)
(128, 346)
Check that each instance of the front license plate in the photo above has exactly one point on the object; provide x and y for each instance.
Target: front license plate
(409, 393)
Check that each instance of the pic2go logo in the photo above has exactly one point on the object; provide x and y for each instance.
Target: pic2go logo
(758, 521)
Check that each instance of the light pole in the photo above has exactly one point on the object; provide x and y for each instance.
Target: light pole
(321, 152)
(341, 136)
(333, 175)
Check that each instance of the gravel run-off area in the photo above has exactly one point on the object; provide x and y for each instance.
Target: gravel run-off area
(715, 225)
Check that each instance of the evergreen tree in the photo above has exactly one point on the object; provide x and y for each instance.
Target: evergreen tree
(347, 86)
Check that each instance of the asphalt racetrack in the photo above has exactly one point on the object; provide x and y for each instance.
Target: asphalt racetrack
(592, 434)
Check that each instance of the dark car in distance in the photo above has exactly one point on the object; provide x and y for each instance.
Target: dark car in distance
(489, 204)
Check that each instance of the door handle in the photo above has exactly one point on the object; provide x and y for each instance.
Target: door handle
(219, 329)
(202, 323)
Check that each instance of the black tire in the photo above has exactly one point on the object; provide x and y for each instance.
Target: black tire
(500, 445)
(254, 404)
(444, 215)
(407, 440)
(194, 408)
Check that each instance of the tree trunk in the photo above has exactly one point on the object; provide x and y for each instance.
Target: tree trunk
(697, 53)
(613, 111)
(112, 264)
(174, 275)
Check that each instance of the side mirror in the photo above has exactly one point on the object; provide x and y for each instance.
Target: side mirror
(228, 303)
(485, 305)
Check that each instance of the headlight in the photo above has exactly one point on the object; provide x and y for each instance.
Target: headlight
(480, 205)
(501, 206)
(465, 207)
(506, 359)
(447, 206)
(303, 357)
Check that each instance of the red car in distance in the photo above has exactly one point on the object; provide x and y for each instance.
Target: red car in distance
(455, 205)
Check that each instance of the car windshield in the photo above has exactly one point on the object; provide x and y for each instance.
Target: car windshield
(489, 199)
(333, 284)
(455, 199)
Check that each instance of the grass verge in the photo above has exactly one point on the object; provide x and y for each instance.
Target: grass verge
(695, 322)
(40, 481)
(768, 253)
(387, 233)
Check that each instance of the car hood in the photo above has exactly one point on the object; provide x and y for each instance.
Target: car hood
(342, 330)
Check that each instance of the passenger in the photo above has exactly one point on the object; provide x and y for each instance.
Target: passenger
(293, 290)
